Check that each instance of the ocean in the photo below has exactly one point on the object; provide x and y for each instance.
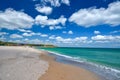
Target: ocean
(103, 61)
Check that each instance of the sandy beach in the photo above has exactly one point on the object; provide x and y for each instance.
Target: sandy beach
(25, 63)
(21, 63)
(60, 71)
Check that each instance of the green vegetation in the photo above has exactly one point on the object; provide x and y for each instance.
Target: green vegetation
(23, 44)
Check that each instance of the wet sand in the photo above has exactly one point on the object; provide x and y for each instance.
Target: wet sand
(60, 71)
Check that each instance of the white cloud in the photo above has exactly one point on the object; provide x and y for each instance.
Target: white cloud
(23, 30)
(16, 41)
(15, 36)
(55, 3)
(27, 34)
(64, 32)
(63, 40)
(93, 16)
(58, 27)
(96, 32)
(102, 37)
(51, 27)
(35, 34)
(34, 0)
(52, 37)
(32, 41)
(70, 32)
(43, 20)
(2, 38)
(82, 39)
(46, 10)
(117, 31)
(106, 38)
(11, 19)
(55, 27)
(3, 33)
(44, 35)
(26, 39)
(35, 41)
(67, 2)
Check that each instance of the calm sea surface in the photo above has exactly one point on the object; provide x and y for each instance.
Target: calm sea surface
(107, 57)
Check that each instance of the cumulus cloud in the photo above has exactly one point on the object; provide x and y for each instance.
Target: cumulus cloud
(67, 2)
(93, 40)
(43, 20)
(96, 32)
(51, 27)
(70, 32)
(11, 19)
(106, 38)
(2, 38)
(15, 36)
(72, 40)
(64, 32)
(3, 33)
(60, 39)
(52, 37)
(44, 35)
(16, 41)
(98, 40)
(34, 41)
(27, 34)
(55, 27)
(26, 40)
(34, 0)
(23, 30)
(34, 34)
(113, 32)
(93, 16)
(67, 32)
(55, 3)
(45, 9)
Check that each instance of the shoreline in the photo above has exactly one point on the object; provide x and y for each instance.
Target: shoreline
(102, 71)
(61, 71)
(26, 63)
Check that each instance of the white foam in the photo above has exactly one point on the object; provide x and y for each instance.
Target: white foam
(78, 59)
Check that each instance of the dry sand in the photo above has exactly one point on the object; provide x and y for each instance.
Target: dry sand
(21, 63)
(25, 63)
(60, 71)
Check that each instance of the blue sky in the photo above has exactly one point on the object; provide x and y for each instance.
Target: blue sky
(66, 23)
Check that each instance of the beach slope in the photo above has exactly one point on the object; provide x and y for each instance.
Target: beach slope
(60, 71)
(25, 63)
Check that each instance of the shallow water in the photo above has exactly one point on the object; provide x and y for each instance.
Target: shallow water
(103, 61)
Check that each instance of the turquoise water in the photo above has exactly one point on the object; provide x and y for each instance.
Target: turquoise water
(105, 62)
(105, 56)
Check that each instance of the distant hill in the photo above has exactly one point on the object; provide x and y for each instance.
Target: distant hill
(22, 44)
